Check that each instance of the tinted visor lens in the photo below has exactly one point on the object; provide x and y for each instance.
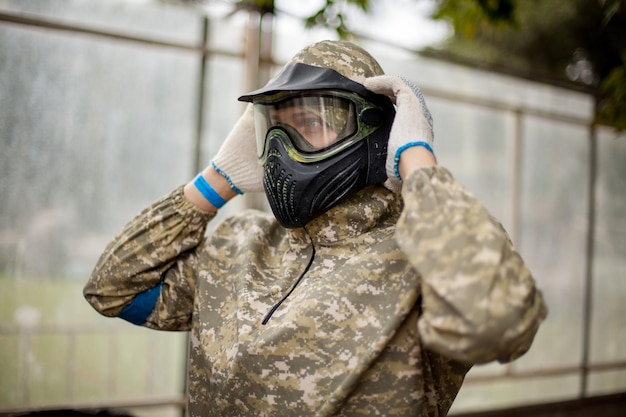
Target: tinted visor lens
(316, 123)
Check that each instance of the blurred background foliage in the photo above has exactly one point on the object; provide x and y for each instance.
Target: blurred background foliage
(578, 42)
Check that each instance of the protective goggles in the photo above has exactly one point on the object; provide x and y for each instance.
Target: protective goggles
(312, 125)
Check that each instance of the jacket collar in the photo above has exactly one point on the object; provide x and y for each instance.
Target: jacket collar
(372, 206)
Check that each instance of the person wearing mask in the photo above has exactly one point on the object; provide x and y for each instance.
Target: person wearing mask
(372, 288)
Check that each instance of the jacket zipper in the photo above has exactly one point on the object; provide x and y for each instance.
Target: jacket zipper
(282, 300)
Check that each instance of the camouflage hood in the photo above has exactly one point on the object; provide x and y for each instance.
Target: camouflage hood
(350, 65)
(346, 58)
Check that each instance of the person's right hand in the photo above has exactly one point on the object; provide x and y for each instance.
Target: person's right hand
(237, 158)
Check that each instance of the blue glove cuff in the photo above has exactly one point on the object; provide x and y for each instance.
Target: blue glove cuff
(230, 182)
(396, 158)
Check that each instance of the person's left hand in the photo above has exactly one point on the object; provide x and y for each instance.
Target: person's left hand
(412, 125)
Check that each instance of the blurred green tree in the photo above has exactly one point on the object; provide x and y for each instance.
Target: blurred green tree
(580, 41)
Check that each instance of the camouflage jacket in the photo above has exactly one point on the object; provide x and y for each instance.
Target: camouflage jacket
(378, 307)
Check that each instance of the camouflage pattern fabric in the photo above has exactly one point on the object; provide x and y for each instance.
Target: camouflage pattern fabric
(346, 58)
(387, 300)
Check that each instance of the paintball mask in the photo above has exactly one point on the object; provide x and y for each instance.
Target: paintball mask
(321, 137)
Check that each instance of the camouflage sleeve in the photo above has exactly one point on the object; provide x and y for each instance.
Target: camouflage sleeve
(480, 302)
(152, 257)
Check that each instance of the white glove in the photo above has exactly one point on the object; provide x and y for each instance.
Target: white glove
(237, 158)
(412, 125)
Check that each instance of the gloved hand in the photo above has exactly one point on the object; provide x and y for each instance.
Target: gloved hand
(237, 158)
(412, 126)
